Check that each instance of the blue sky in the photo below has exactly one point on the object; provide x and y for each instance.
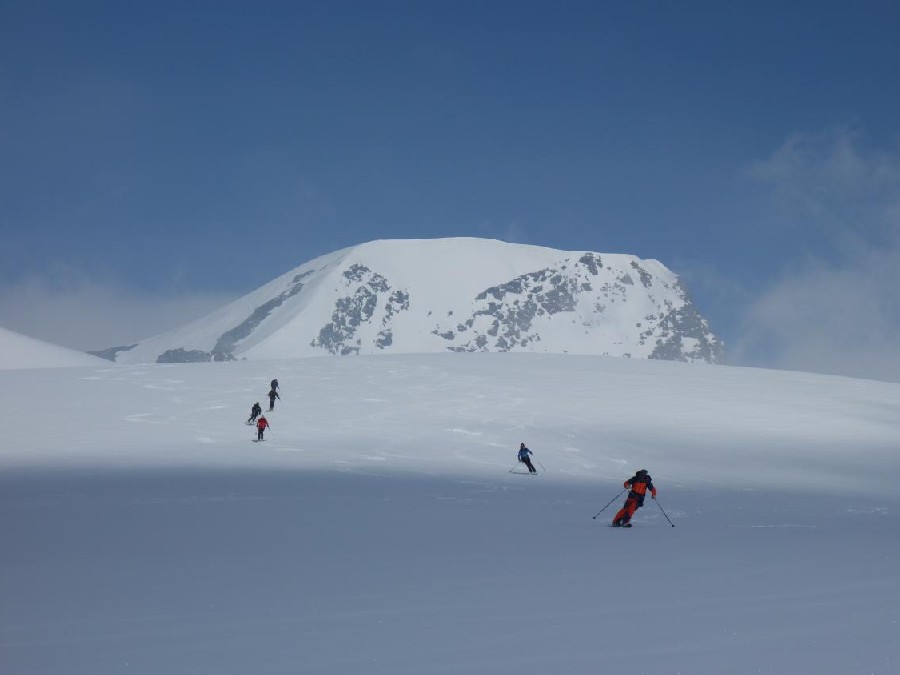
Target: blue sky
(159, 158)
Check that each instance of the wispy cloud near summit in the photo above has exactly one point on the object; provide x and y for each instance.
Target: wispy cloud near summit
(838, 308)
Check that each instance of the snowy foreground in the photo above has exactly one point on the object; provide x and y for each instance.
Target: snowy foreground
(378, 528)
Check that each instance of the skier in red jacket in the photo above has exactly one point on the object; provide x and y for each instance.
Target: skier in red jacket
(639, 484)
(261, 424)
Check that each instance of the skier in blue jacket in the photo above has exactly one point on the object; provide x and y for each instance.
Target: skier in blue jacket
(524, 458)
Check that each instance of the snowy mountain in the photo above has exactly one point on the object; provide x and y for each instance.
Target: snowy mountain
(459, 295)
(21, 351)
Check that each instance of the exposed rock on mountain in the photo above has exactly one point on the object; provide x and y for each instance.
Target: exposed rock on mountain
(461, 295)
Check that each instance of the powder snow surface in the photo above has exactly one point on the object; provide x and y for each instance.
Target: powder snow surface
(378, 529)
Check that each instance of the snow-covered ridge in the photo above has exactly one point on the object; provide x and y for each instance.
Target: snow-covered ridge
(20, 351)
(461, 295)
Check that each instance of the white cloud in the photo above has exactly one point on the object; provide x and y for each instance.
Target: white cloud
(515, 233)
(836, 183)
(82, 313)
(512, 231)
(837, 310)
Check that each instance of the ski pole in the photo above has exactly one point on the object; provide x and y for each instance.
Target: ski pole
(542, 466)
(663, 512)
(607, 506)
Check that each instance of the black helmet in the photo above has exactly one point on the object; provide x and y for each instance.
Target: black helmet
(642, 471)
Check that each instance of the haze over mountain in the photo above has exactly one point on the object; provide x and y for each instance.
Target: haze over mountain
(438, 295)
(21, 351)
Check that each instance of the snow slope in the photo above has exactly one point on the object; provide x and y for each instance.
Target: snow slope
(21, 351)
(378, 529)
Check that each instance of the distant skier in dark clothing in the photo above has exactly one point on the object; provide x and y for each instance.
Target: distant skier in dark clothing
(255, 412)
(261, 425)
(272, 396)
(525, 459)
(639, 484)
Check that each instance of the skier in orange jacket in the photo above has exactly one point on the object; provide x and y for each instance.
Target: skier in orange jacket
(639, 484)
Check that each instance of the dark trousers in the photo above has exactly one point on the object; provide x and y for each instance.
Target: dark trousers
(527, 462)
(259, 433)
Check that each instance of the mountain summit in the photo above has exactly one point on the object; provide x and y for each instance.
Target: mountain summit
(462, 295)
